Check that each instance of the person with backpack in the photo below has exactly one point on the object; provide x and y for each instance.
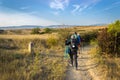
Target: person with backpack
(73, 49)
(79, 40)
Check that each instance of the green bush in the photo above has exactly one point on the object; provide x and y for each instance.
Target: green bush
(109, 39)
(87, 37)
(47, 30)
(114, 27)
(35, 31)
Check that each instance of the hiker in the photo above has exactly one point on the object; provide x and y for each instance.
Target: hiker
(79, 40)
(73, 49)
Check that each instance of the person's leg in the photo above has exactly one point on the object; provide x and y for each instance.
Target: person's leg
(76, 63)
(71, 58)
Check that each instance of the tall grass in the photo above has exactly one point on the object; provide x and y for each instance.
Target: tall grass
(108, 65)
(15, 64)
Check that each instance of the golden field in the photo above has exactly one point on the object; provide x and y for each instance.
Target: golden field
(16, 63)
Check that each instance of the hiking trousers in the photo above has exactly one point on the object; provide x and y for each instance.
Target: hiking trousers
(73, 58)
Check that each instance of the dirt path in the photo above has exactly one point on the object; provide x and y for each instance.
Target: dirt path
(85, 66)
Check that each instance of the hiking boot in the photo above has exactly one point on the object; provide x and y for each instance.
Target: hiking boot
(76, 68)
(70, 64)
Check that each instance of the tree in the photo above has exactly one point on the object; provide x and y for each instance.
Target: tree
(35, 31)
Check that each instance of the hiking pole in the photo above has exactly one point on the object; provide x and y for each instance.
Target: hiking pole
(82, 46)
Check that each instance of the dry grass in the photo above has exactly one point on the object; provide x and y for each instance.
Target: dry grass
(17, 64)
(109, 66)
(83, 29)
(44, 36)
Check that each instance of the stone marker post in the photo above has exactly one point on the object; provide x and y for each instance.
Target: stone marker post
(30, 48)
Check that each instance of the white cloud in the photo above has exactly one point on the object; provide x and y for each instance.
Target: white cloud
(84, 5)
(10, 19)
(59, 4)
(83, 8)
(76, 7)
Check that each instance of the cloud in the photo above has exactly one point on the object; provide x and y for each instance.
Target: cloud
(11, 17)
(16, 19)
(76, 7)
(84, 5)
(59, 4)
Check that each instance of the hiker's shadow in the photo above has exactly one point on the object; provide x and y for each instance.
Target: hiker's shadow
(87, 67)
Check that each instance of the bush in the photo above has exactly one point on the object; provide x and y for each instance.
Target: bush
(108, 39)
(87, 37)
(35, 31)
(104, 41)
(51, 41)
(47, 30)
(114, 27)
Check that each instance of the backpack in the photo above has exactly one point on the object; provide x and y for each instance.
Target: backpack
(78, 39)
(67, 42)
(73, 45)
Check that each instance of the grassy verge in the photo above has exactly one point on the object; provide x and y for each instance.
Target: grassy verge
(109, 66)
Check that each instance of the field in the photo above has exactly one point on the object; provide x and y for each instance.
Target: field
(46, 62)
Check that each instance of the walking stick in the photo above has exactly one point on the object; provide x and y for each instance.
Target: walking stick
(82, 45)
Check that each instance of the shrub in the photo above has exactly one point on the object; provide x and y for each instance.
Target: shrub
(87, 37)
(35, 31)
(47, 30)
(51, 41)
(108, 39)
(114, 27)
(104, 41)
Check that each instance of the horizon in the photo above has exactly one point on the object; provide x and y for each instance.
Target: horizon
(58, 12)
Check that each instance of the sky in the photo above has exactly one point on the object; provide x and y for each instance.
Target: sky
(58, 12)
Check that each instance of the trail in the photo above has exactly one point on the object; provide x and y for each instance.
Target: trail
(85, 67)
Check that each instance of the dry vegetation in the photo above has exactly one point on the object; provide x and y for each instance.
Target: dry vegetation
(17, 64)
(108, 68)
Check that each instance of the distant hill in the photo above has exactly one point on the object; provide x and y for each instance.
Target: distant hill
(51, 26)
(33, 26)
